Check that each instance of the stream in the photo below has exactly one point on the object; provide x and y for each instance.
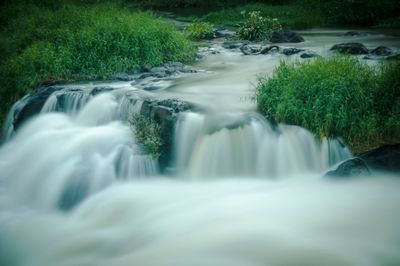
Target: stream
(76, 189)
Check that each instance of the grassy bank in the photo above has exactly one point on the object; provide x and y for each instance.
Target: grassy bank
(64, 41)
(336, 97)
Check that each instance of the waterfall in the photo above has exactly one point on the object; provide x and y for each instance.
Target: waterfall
(242, 144)
(56, 159)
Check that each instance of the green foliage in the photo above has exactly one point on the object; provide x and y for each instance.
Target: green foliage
(360, 12)
(335, 97)
(257, 27)
(147, 134)
(200, 30)
(42, 43)
(293, 16)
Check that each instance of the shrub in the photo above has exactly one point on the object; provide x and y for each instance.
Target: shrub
(79, 41)
(335, 97)
(147, 134)
(257, 27)
(200, 30)
(295, 16)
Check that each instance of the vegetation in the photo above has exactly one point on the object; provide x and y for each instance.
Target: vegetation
(336, 97)
(45, 42)
(290, 16)
(257, 27)
(147, 134)
(200, 30)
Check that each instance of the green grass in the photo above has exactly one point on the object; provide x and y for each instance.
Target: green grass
(42, 43)
(199, 30)
(336, 97)
(292, 16)
(147, 134)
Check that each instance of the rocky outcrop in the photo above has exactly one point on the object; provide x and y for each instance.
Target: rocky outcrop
(255, 50)
(165, 113)
(286, 36)
(31, 105)
(354, 48)
(381, 51)
(385, 159)
(291, 51)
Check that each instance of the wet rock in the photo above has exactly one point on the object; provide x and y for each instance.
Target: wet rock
(165, 113)
(350, 168)
(381, 51)
(393, 57)
(354, 34)
(309, 54)
(122, 77)
(286, 36)
(385, 158)
(32, 104)
(100, 89)
(291, 51)
(350, 48)
(257, 49)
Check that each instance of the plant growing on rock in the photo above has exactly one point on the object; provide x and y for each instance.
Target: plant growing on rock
(147, 134)
(200, 30)
(257, 27)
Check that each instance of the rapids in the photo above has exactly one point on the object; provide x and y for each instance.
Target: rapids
(76, 189)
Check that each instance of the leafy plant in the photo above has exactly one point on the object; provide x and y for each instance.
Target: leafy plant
(92, 41)
(337, 96)
(200, 30)
(147, 134)
(257, 27)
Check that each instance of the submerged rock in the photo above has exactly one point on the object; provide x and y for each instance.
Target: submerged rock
(350, 48)
(309, 54)
(291, 51)
(286, 36)
(381, 51)
(385, 158)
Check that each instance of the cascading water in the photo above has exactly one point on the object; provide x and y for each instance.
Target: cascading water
(242, 144)
(76, 189)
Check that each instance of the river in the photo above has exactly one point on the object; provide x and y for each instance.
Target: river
(76, 189)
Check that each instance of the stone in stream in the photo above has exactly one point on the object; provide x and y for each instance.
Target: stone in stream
(286, 36)
(354, 48)
(165, 113)
(381, 51)
(385, 158)
(309, 54)
(291, 51)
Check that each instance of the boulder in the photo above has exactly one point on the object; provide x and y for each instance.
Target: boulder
(309, 54)
(286, 36)
(350, 48)
(291, 51)
(31, 105)
(381, 51)
(165, 113)
(385, 158)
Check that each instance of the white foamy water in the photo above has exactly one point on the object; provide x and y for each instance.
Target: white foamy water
(76, 190)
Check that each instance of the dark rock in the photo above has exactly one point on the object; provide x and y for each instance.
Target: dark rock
(393, 57)
(350, 48)
(291, 51)
(122, 77)
(350, 168)
(309, 55)
(100, 89)
(31, 105)
(354, 34)
(159, 72)
(286, 36)
(250, 49)
(381, 51)
(385, 158)
(165, 113)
